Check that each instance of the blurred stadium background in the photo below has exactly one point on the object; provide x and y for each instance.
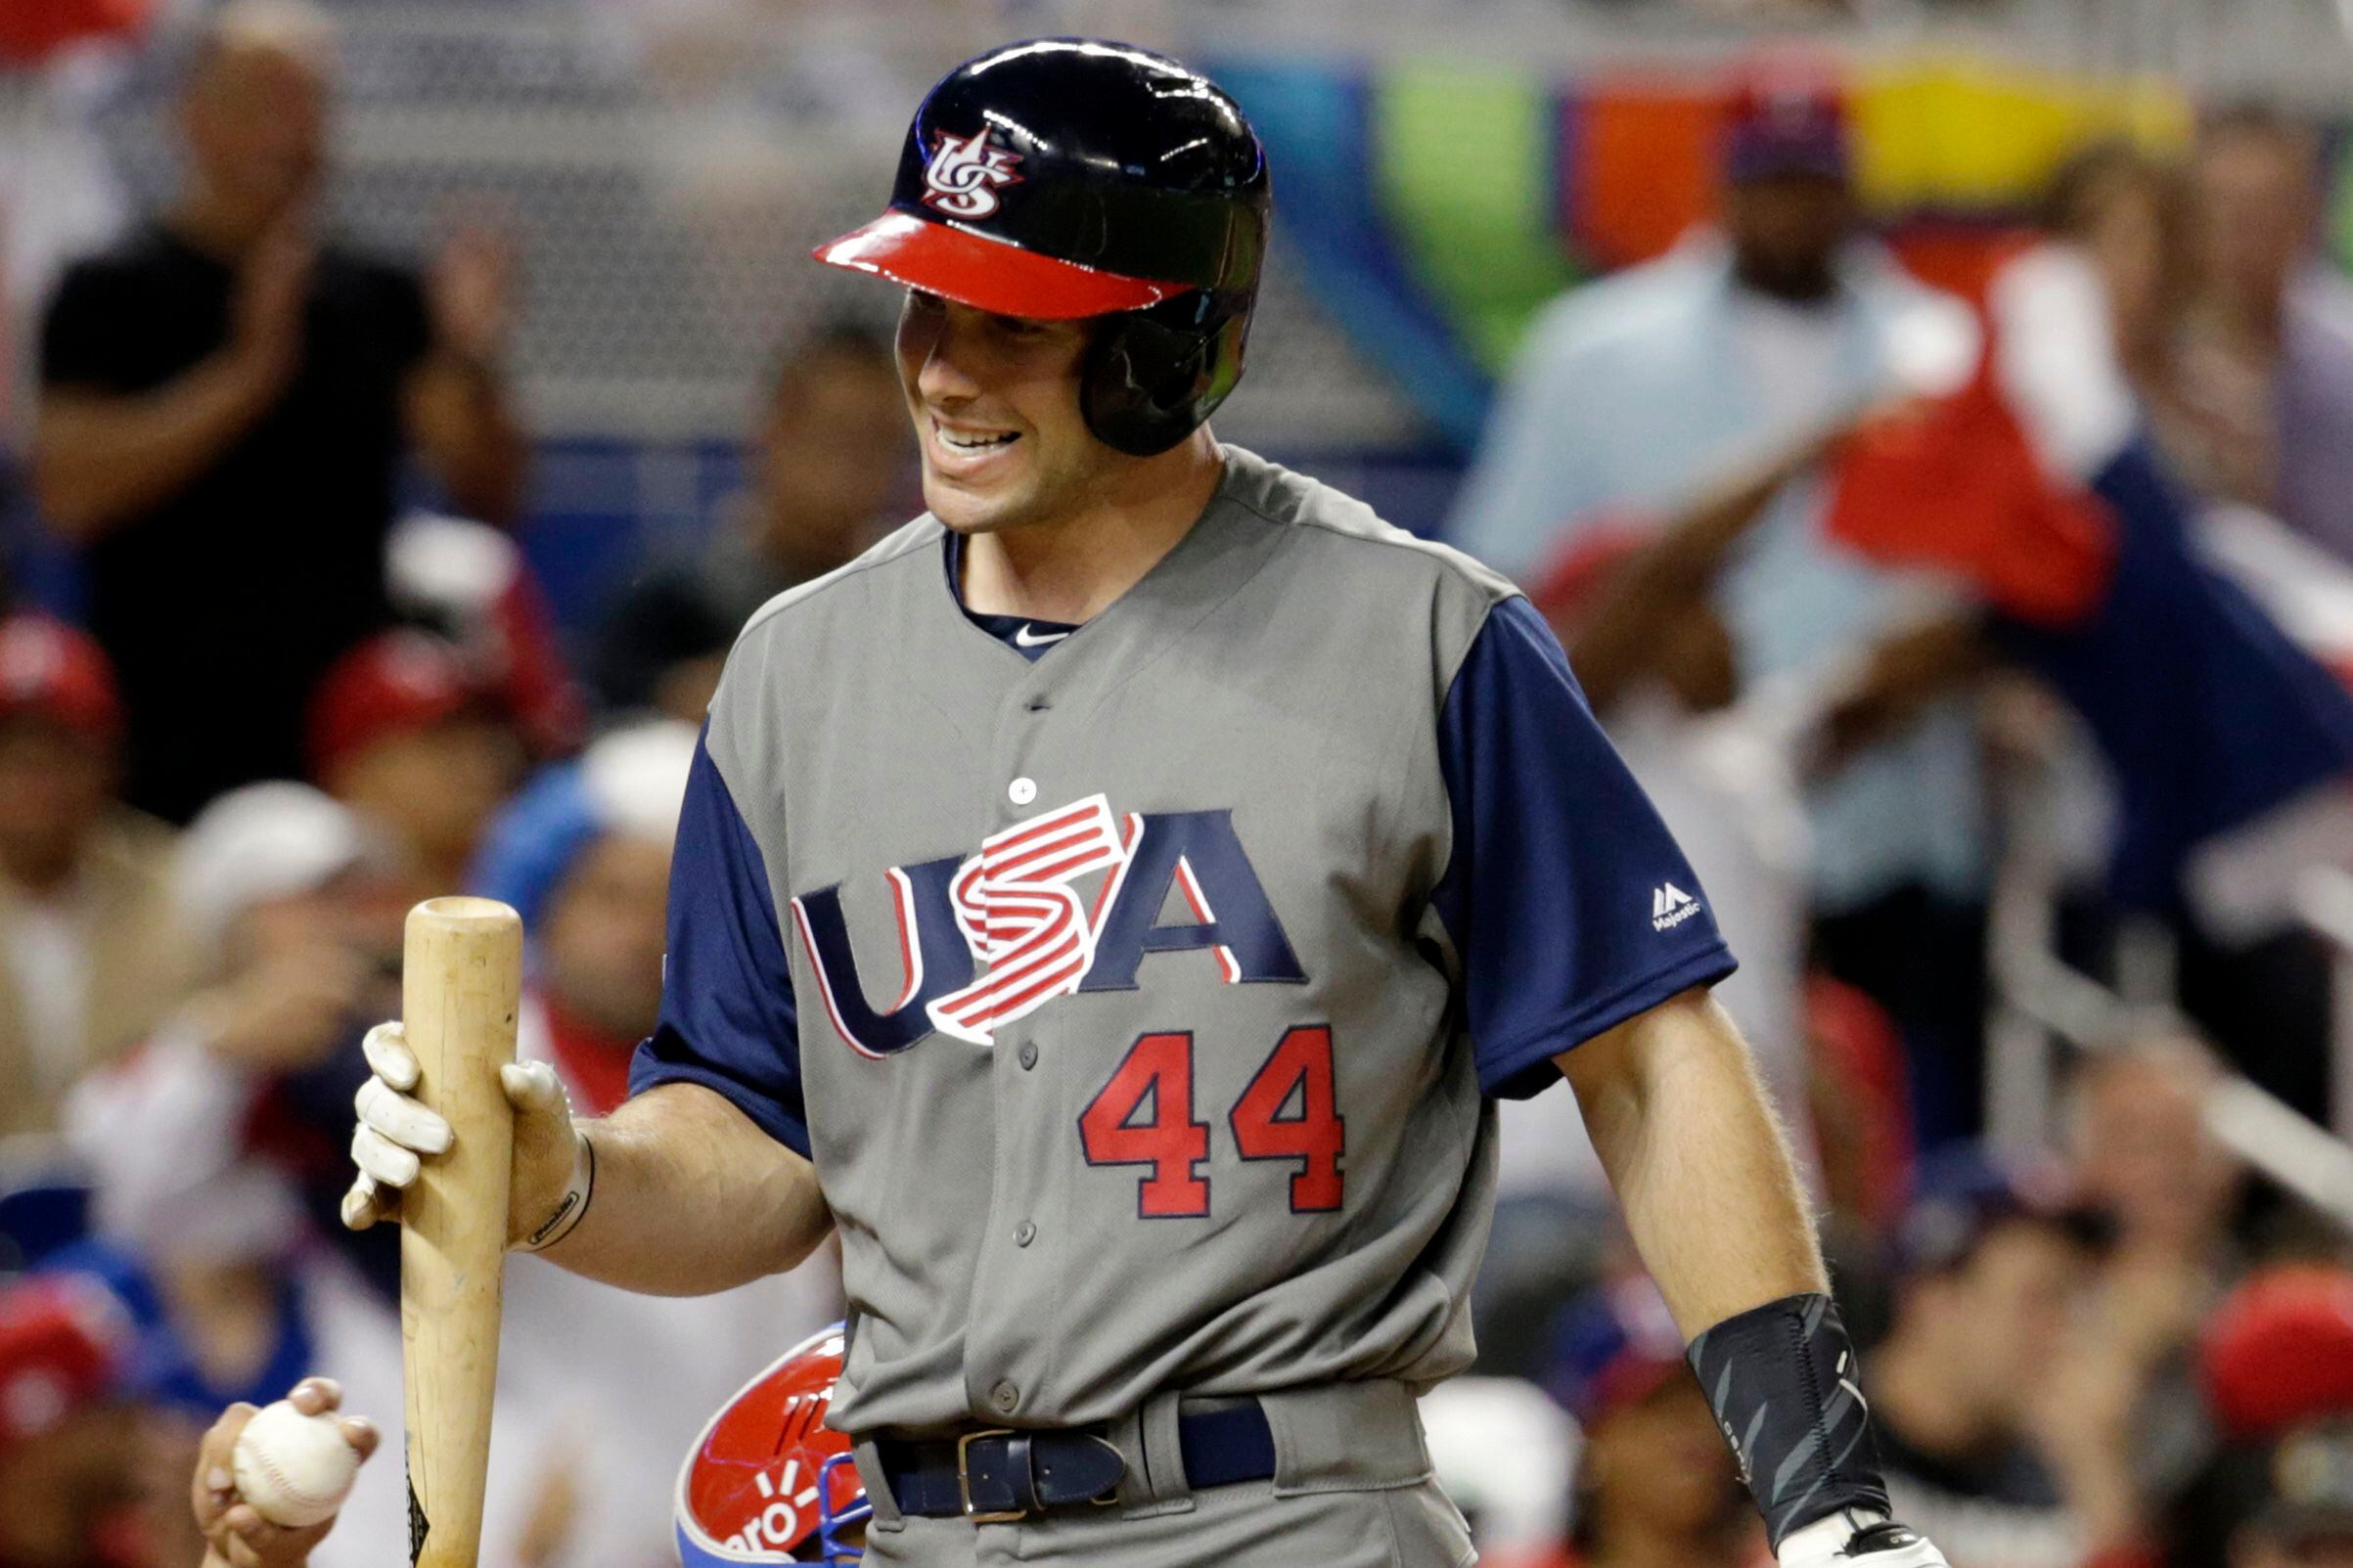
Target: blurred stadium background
(2165, 1104)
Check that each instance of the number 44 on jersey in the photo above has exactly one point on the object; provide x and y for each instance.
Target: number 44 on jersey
(1144, 1116)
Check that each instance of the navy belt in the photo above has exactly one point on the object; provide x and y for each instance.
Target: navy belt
(1003, 1474)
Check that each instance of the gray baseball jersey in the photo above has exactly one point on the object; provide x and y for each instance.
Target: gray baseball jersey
(1138, 994)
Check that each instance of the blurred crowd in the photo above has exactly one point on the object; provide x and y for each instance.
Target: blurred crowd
(1878, 582)
(1866, 577)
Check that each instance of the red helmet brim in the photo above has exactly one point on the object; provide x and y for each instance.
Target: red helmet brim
(987, 274)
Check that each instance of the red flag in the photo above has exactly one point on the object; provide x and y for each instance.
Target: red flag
(1956, 485)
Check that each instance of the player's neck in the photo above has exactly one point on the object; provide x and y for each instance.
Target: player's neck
(1071, 569)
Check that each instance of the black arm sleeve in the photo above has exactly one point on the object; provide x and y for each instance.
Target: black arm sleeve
(1784, 1382)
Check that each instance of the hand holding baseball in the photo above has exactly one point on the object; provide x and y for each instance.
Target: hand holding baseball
(257, 1472)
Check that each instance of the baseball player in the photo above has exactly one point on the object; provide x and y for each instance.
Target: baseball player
(1114, 902)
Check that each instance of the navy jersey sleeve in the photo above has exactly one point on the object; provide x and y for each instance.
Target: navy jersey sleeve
(1570, 907)
(727, 1020)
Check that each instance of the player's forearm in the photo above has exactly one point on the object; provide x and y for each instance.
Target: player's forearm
(1698, 1161)
(1703, 1174)
(98, 460)
(690, 1197)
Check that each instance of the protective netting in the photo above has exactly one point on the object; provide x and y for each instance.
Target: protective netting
(664, 194)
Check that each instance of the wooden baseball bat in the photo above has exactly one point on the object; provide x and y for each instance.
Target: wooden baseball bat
(461, 978)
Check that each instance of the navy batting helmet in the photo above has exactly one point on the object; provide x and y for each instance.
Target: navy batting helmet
(1070, 177)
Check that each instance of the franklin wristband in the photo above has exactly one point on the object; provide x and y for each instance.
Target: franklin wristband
(1781, 1379)
(574, 1202)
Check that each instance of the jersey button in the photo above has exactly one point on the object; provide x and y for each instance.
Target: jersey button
(1022, 792)
(1027, 1055)
(1024, 1233)
(1004, 1399)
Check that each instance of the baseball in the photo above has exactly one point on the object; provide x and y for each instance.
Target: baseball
(293, 1468)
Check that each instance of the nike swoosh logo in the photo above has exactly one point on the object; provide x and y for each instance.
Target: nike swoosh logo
(1023, 639)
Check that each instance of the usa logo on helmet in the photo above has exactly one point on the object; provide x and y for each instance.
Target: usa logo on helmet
(964, 174)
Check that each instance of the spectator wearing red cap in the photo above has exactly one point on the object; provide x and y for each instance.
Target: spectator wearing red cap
(68, 1444)
(2274, 1367)
(94, 954)
(472, 584)
(2278, 1352)
(1631, 604)
(1726, 761)
(407, 734)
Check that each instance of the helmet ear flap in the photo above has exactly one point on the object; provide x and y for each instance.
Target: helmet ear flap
(1141, 378)
(1150, 382)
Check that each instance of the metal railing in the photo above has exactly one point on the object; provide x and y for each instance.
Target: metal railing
(2044, 1005)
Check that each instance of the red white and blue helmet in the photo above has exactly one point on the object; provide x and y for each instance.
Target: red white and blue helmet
(768, 1481)
(1065, 178)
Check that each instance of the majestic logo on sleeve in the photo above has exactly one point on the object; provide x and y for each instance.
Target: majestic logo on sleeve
(1018, 908)
(965, 172)
(1670, 907)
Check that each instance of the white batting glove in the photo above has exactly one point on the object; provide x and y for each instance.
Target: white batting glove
(554, 1166)
(1869, 1539)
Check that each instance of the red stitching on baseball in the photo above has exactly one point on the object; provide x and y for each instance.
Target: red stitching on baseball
(261, 1461)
